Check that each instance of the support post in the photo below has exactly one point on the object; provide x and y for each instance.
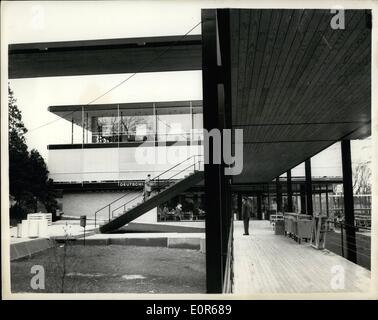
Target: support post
(83, 125)
(225, 122)
(259, 209)
(320, 199)
(289, 192)
(216, 76)
(278, 195)
(212, 172)
(156, 138)
(302, 191)
(308, 183)
(240, 206)
(327, 208)
(192, 123)
(350, 231)
(72, 129)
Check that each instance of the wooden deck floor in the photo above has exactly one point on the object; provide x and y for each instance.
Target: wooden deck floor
(269, 263)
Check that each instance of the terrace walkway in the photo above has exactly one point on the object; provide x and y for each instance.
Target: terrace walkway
(269, 263)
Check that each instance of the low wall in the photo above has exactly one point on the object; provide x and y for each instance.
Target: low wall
(193, 243)
(23, 249)
(87, 203)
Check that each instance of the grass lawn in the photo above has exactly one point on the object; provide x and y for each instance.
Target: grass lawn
(113, 268)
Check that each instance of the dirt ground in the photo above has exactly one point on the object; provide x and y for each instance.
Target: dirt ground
(113, 268)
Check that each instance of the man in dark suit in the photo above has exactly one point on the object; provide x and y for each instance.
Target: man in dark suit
(246, 212)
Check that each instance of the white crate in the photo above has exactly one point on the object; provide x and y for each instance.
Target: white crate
(41, 216)
(25, 229)
(42, 228)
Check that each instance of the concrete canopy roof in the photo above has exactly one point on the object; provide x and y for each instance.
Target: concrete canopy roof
(298, 85)
(108, 56)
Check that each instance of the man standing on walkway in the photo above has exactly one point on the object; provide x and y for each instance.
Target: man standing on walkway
(246, 211)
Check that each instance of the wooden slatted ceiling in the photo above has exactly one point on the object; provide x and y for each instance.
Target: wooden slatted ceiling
(298, 85)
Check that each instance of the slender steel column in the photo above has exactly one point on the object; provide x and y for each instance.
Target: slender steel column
(289, 191)
(308, 184)
(192, 122)
(303, 198)
(278, 195)
(259, 209)
(212, 172)
(72, 130)
(350, 231)
(320, 199)
(155, 124)
(82, 125)
(327, 208)
(225, 119)
(240, 206)
(216, 84)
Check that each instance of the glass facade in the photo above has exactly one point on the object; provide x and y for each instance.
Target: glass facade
(122, 128)
(157, 122)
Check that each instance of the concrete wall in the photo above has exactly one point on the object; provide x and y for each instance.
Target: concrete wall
(112, 164)
(87, 203)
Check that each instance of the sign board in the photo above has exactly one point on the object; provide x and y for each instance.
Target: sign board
(83, 221)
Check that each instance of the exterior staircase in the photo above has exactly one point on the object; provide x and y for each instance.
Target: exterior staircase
(164, 187)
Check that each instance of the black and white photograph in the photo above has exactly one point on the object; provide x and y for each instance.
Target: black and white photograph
(181, 149)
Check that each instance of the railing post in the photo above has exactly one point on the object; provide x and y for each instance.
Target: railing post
(95, 219)
(109, 213)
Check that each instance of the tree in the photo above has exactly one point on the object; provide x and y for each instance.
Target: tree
(362, 178)
(18, 153)
(28, 173)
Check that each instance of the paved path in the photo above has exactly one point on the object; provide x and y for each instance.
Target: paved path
(57, 230)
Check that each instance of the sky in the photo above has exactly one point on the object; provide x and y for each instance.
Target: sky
(26, 22)
(68, 20)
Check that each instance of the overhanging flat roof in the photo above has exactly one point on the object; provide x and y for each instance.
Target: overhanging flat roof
(108, 56)
(74, 112)
(298, 85)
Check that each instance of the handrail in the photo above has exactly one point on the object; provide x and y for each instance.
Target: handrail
(124, 205)
(228, 274)
(346, 225)
(153, 179)
(114, 201)
(192, 156)
(164, 184)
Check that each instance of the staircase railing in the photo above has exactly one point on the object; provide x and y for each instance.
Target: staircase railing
(108, 206)
(157, 180)
(161, 184)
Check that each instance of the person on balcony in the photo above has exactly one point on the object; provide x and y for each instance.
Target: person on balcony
(147, 187)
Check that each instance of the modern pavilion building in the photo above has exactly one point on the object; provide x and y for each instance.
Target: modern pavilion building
(120, 145)
(292, 81)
